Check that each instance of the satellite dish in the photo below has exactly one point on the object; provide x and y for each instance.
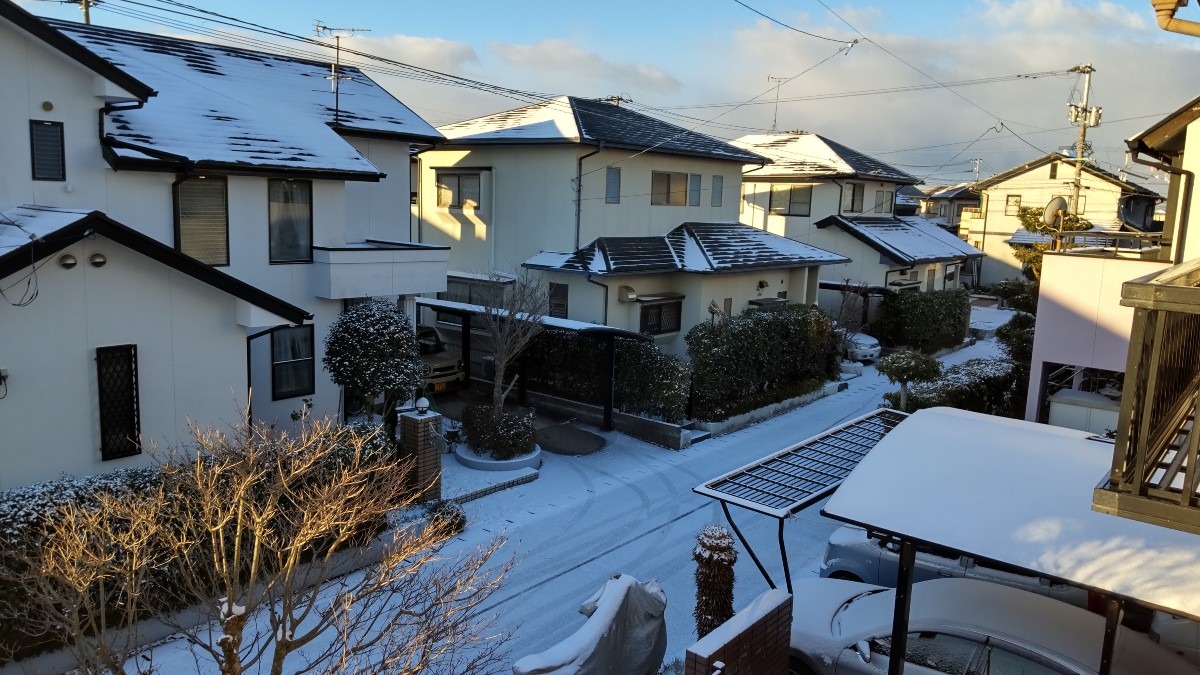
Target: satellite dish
(1050, 215)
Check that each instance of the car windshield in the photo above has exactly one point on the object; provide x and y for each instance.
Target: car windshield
(429, 341)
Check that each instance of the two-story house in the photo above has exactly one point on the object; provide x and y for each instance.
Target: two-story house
(181, 223)
(825, 194)
(1106, 201)
(944, 205)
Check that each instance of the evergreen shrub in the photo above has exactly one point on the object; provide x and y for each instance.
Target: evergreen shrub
(926, 322)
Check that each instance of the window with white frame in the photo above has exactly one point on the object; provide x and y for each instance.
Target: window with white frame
(457, 190)
(1012, 205)
(292, 364)
(884, 200)
(718, 191)
(791, 200)
(612, 185)
(668, 188)
(202, 219)
(290, 220)
(694, 189)
(853, 197)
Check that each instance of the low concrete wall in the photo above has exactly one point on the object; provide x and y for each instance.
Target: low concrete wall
(746, 419)
(668, 435)
(757, 640)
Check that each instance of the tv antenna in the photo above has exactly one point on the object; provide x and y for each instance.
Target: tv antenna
(778, 83)
(335, 69)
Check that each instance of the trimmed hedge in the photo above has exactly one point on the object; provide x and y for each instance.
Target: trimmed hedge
(503, 436)
(758, 358)
(926, 322)
(981, 385)
(1017, 294)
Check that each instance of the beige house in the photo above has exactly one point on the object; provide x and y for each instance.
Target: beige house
(1108, 202)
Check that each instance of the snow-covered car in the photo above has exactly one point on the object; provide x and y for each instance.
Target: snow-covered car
(852, 555)
(960, 627)
(1178, 634)
(860, 347)
(442, 370)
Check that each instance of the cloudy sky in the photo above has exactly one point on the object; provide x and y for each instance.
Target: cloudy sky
(707, 65)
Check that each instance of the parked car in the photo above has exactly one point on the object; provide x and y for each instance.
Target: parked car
(443, 370)
(959, 627)
(1178, 634)
(860, 347)
(852, 555)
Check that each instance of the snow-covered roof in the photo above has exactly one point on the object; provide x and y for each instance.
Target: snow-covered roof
(691, 247)
(959, 191)
(1089, 168)
(31, 233)
(550, 321)
(568, 119)
(1017, 493)
(226, 108)
(905, 240)
(805, 155)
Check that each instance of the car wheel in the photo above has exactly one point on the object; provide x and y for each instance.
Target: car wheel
(846, 576)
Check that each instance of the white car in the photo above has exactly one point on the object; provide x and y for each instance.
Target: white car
(861, 347)
(959, 627)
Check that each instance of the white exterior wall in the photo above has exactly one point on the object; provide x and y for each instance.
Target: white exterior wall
(1036, 189)
(191, 360)
(380, 211)
(1191, 162)
(1080, 320)
(527, 201)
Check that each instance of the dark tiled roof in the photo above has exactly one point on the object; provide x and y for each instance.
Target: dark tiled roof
(1059, 157)
(905, 241)
(866, 166)
(808, 155)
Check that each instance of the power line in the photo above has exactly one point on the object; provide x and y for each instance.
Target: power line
(803, 32)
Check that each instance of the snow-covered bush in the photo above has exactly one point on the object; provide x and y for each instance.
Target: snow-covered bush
(504, 435)
(715, 556)
(449, 512)
(926, 322)
(906, 366)
(758, 358)
(372, 350)
(981, 385)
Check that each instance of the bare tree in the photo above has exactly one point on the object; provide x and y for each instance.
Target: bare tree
(512, 323)
(851, 306)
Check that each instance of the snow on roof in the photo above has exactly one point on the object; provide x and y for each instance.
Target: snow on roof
(959, 191)
(691, 247)
(26, 223)
(805, 155)
(905, 240)
(568, 119)
(550, 321)
(235, 108)
(1017, 493)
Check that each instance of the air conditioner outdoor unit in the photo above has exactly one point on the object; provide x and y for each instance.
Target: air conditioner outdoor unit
(626, 294)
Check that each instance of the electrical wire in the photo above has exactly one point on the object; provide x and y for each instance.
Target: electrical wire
(803, 32)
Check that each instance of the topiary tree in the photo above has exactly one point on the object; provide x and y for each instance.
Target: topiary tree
(907, 366)
(372, 349)
(714, 555)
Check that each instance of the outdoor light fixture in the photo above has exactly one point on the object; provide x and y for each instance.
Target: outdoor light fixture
(97, 259)
(422, 405)
(67, 261)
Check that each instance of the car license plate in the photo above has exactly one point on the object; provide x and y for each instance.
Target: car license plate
(439, 387)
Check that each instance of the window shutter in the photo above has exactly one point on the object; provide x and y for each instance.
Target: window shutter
(718, 191)
(120, 417)
(46, 147)
(612, 185)
(203, 221)
(694, 189)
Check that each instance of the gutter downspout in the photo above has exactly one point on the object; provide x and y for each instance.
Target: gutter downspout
(605, 287)
(1180, 239)
(1165, 12)
(579, 193)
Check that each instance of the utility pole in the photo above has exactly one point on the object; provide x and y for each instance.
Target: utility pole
(1086, 117)
(975, 168)
(86, 6)
(335, 75)
(617, 100)
(778, 82)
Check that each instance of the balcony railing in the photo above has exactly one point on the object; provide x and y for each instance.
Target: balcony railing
(1154, 470)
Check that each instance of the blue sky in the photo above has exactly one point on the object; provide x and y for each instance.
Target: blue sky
(665, 55)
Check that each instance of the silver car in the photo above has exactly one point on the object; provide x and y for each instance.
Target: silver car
(852, 555)
(959, 627)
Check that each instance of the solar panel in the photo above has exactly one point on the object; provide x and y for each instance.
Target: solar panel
(790, 480)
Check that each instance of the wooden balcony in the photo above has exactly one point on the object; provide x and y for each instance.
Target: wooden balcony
(1153, 477)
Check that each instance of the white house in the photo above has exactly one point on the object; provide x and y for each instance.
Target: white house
(944, 205)
(1105, 200)
(242, 162)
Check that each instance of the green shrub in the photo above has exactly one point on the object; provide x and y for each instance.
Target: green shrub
(448, 511)
(1018, 294)
(504, 436)
(926, 322)
(981, 385)
(758, 358)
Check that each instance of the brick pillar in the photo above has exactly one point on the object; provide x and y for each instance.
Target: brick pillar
(417, 434)
(756, 641)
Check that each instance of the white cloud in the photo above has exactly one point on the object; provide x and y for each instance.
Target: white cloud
(1057, 16)
(561, 65)
(434, 53)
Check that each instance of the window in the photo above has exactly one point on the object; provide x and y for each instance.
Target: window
(937, 651)
(718, 191)
(884, 200)
(290, 216)
(473, 291)
(694, 189)
(853, 195)
(661, 317)
(1012, 205)
(120, 415)
(791, 200)
(46, 150)
(668, 188)
(457, 190)
(558, 300)
(202, 219)
(1053, 170)
(292, 362)
(612, 185)
(1002, 662)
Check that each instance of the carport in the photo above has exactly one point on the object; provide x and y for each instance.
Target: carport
(608, 335)
(1017, 494)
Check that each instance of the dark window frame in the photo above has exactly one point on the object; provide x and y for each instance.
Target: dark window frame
(612, 185)
(34, 125)
(456, 201)
(650, 321)
(790, 206)
(884, 204)
(672, 196)
(276, 393)
(558, 306)
(271, 223)
(695, 186)
(118, 401)
(483, 292)
(179, 216)
(717, 198)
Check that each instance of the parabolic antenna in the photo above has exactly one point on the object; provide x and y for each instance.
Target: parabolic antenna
(1050, 215)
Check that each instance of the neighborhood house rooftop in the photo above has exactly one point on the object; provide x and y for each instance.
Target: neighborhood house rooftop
(904, 240)
(805, 155)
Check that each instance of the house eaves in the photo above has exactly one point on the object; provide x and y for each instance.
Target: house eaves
(1165, 138)
(904, 242)
(88, 223)
(1097, 172)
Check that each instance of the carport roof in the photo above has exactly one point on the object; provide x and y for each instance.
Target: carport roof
(582, 327)
(1020, 494)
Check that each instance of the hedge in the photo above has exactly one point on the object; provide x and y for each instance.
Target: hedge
(1018, 294)
(980, 385)
(502, 435)
(926, 322)
(760, 357)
